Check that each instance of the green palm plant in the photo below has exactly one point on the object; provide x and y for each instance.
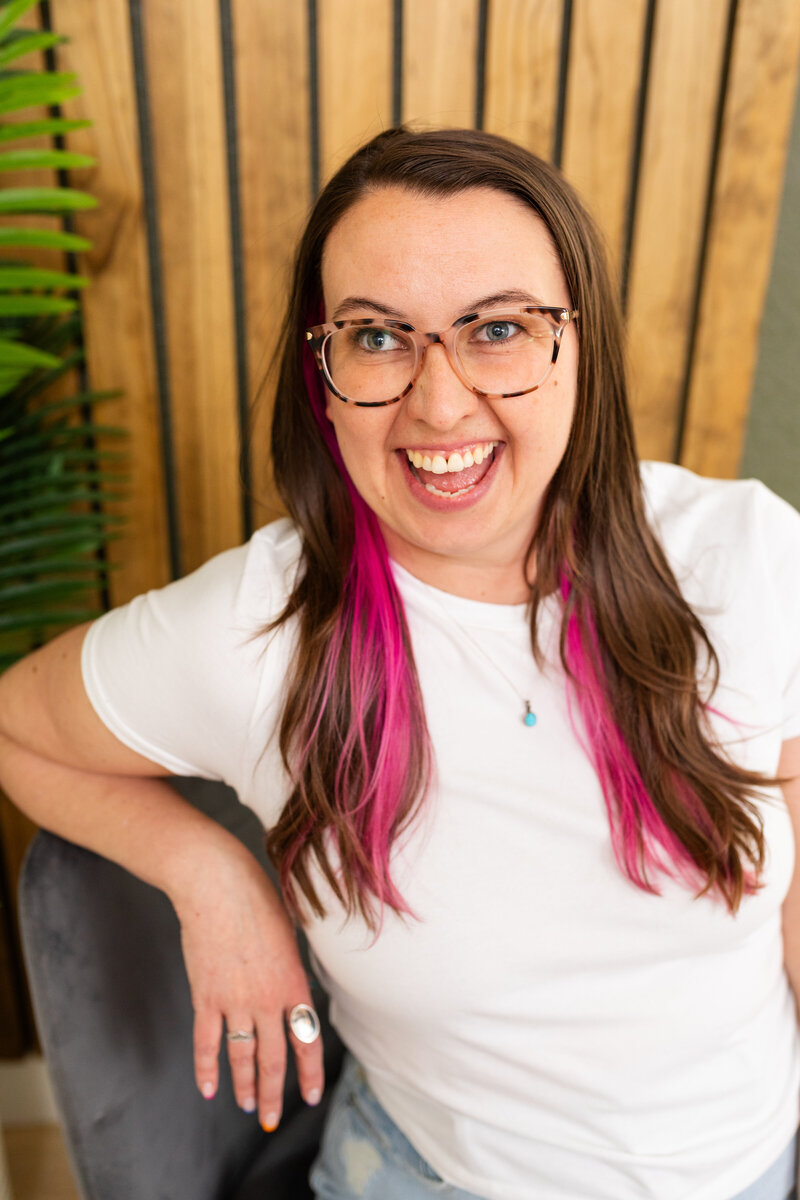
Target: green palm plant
(54, 534)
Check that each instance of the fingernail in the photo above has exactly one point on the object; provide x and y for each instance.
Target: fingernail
(314, 1096)
(249, 1105)
(209, 1091)
(270, 1123)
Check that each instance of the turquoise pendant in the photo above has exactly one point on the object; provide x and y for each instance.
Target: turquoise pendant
(530, 716)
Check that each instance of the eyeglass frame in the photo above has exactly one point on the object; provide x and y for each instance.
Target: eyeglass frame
(318, 335)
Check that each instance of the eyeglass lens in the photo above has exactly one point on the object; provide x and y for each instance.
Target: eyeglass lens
(501, 355)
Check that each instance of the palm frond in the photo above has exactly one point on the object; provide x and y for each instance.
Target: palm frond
(21, 42)
(47, 127)
(55, 477)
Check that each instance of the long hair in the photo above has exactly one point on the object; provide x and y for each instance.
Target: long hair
(353, 735)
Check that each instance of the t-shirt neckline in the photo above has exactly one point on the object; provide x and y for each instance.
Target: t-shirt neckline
(479, 613)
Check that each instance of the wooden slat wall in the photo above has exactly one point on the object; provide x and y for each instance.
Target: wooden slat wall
(216, 120)
(271, 52)
(523, 47)
(184, 77)
(625, 92)
(354, 60)
(603, 85)
(688, 52)
(757, 119)
(440, 44)
(118, 319)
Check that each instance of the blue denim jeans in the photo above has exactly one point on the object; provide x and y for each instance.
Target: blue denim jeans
(364, 1156)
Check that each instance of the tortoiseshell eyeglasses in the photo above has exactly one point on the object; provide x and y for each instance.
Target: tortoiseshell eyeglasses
(374, 361)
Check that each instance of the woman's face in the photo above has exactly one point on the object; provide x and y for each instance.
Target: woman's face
(429, 261)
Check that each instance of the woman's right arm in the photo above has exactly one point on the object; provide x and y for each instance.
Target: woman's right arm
(62, 766)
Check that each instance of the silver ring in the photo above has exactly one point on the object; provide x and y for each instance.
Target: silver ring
(304, 1023)
(240, 1035)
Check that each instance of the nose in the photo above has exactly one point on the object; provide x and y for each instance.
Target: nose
(438, 398)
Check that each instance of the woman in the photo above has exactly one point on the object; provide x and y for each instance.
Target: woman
(511, 711)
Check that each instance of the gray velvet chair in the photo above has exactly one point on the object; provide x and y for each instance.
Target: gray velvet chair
(114, 1014)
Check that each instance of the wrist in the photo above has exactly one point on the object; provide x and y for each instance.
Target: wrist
(209, 866)
(201, 861)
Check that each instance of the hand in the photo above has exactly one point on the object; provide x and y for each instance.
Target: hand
(245, 970)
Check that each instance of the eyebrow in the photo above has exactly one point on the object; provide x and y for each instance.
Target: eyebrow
(359, 303)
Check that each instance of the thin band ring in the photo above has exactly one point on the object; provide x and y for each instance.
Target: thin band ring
(241, 1035)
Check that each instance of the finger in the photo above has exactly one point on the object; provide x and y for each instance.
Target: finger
(207, 1034)
(309, 1059)
(242, 1057)
(271, 1072)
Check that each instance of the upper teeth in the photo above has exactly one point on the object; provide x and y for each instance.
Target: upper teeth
(441, 464)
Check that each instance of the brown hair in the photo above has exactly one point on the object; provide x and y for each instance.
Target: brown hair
(631, 645)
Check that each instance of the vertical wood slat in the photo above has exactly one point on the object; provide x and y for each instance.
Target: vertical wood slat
(755, 133)
(440, 47)
(522, 67)
(271, 53)
(184, 71)
(117, 317)
(355, 76)
(688, 45)
(602, 95)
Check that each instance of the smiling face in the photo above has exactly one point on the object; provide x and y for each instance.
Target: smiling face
(428, 261)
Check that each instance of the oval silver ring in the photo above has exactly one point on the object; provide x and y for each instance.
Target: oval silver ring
(304, 1023)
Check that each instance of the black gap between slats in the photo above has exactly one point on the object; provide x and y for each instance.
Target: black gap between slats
(563, 72)
(313, 98)
(237, 254)
(636, 151)
(480, 63)
(150, 193)
(397, 62)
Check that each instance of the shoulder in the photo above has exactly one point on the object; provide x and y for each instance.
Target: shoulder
(207, 616)
(176, 672)
(692, 513)
(253, 579)
(269, 566)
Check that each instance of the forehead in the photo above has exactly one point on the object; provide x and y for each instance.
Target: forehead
(431, 254)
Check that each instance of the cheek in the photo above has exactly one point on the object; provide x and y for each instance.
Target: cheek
(361, 446)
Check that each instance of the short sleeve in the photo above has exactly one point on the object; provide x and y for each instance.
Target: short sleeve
(780, 525)
(735, 548)
(175, 673)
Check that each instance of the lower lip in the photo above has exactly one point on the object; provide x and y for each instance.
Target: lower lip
(445, 503)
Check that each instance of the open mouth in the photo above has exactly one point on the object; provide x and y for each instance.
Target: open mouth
(454, 474)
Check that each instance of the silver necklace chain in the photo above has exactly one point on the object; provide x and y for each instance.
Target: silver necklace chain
(529, 717)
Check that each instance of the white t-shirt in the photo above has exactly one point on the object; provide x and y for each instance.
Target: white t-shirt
(545, 1030)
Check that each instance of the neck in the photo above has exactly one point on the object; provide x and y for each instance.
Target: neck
(490, 582)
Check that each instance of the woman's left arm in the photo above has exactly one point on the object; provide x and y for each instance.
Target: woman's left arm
(789, 768)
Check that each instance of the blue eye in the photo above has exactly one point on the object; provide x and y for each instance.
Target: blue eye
(496, 331)
(376, 340)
